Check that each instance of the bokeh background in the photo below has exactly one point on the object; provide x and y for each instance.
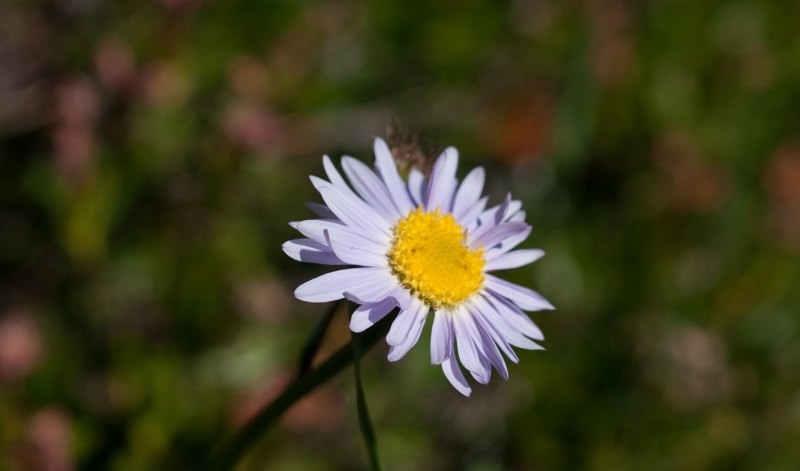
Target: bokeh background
(153, 152)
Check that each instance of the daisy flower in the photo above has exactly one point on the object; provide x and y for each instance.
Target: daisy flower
(428, 247)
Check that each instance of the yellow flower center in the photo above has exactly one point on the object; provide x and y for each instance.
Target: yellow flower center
(430, 258)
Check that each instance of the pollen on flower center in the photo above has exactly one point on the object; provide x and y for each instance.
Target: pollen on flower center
(430, 258)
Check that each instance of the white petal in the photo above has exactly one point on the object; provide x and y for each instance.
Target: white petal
(443, 181)
(405, 322)
(523, 297)
(489, 348)
(519, 216)
(441, 337)
(517, 319)
(483, 349)
(453, 374)
(502, 210)
(496, 234)
(335, 178)
(356, 213)
(465, 345)
(416, 186)
(469, 192)
(513, 259)
(509, 243)
(482, 319)
(388, 171)
(379, 288)
(397, 352)
(315, 229)
(349, 251)
(514, 208)
(402, 296)
(469, 220)
(369, 186)
(332, 286)
(311, 251)
(499, 318)
(484, 375)
(369, 314)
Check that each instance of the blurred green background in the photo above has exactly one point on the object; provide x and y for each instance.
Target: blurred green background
(152, 153)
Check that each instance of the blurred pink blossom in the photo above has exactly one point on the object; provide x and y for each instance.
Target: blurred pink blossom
(689, 364)
(253, 128)
(48, 442)
(688, 180)
(115, 64)
(782, 185)
(248, 78)
(73, 134)
(21, 347)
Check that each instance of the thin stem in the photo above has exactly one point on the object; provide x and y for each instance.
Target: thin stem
(361, 404)
(315, 340)
(232, 449)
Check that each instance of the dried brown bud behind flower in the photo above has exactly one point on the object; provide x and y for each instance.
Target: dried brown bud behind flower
(407, 150)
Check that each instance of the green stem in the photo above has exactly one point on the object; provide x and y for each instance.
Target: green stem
(315, 340)
(361, 404)
(232, 449)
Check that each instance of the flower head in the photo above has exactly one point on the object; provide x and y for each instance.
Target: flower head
(426, 246)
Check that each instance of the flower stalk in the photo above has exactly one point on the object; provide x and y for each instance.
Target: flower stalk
(235, 446)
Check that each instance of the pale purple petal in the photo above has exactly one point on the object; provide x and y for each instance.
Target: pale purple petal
(483, 349)
(484, 375)
(320, 210)
(523, 297)
(443, 181)
(519, 216)
(350, 252)
(441, 337)
(500, 214)
(332, 286)
(469, 192)
(311, 251)
(315, 229)
(397, 352)
(495, 313)
(496, 234)
(356, 213)
(379, 288)
(489, 347)
(335, 178)
(416, 186)
(405, 322)
(369, 186)
(509, 243)
(465, 345)
(369, 314)
(402, 296)
(517, 319)
(453, 374)
(509, 260)
(482, 318)
(469, 220)
(388, 171)
(514, 208)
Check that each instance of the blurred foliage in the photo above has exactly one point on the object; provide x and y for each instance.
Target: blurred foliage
(151, 154)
